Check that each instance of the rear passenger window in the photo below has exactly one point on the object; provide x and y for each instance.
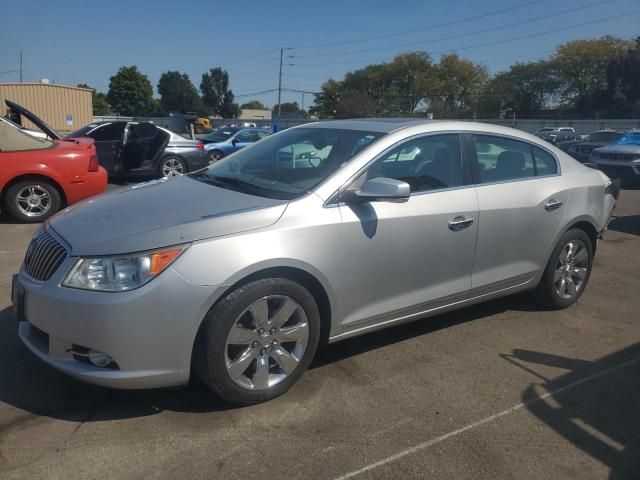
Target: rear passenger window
(502, 159)
(544, 161)
(427, 163)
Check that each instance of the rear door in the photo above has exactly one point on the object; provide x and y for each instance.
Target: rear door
(522, 198)
(108, 141)
(136, 150)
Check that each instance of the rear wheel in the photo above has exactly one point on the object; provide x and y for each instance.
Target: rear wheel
(214, 156)
(258, 341)
(32, 201)
(567, 273)
(171, 167)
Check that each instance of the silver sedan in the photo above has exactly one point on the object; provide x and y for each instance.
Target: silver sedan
(238, 272)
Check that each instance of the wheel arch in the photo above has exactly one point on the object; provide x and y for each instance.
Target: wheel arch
(35, 176)
(294, 273)
(588, 226)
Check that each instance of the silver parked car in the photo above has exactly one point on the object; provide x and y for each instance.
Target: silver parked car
(318, 233)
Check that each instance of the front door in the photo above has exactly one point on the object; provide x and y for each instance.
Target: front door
(108, 141)
(244, 138)
(522, 200)
(400, 259)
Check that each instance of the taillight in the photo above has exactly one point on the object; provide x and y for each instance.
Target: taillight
(200, 146)
(93, 164)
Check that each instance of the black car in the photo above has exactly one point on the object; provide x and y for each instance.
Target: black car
(561, 139)
(581, 151)
(134, 149)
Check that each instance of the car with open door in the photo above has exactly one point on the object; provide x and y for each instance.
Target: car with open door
(239, 271)
(39, 177)
(139, 149)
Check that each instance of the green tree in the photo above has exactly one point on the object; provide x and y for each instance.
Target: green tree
(99, 100)
(288, 108)
(216, 94)
(253, 105)
(177, 93)
(526, 88)
(461, 83)
(130, 92)
(581, 66)
(623, 80)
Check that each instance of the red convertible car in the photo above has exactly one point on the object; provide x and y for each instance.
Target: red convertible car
(38, 177)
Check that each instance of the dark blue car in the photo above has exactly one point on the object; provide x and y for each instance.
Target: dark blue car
(226, 140)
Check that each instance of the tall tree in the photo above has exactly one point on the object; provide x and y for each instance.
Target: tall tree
(253, 105)
(623, 83)
(581, 66)
(100, 104)
(130, 92)
(216, 94)
(526, 88)
(461, 85)
(288, 108)
(177, 93)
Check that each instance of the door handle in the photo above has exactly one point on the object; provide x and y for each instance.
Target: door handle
(552, 205)
(460, 223)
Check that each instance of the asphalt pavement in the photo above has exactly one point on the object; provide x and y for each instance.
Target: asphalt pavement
(500, 390)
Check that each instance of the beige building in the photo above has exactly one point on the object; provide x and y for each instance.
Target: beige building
(249, 114)
(64, 108)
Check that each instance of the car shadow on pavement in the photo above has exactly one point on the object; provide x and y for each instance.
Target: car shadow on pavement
(628, 224)
(30, 385)
(595, 405)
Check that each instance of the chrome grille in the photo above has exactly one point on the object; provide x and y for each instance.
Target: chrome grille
(619, 156)
(44, 256)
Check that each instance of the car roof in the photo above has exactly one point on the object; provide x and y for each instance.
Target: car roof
(383, 125)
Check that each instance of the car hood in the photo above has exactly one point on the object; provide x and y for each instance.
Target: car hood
(160, 213)
(37, 121)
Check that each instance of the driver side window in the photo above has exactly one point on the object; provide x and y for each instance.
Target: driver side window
(427, 163)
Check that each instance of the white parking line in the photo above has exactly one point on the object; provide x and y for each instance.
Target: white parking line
(442, 438)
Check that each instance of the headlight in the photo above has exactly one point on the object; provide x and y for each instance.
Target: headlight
(595, 155)
(120, 273)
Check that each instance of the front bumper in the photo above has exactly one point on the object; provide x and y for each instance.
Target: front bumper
(623, 170)
(148, 332)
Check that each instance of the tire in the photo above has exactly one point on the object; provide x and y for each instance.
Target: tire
(564, 265)
(171, 167)
(214, 156)
(32, 201)
(217, 352)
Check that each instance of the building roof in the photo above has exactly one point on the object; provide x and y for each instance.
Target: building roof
(14, 84)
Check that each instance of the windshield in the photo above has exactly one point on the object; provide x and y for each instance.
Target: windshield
(631, 138)
(604, 137)
(221, 134)
(81, 132)
(289, 164)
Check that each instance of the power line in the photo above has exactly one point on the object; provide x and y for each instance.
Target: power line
(486, 44)
(432, 27)
(452, 37)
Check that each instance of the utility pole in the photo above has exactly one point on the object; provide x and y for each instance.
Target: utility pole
(280, 82)
(302, 106)
(20, 66)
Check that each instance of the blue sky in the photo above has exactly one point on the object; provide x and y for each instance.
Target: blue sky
(71, 42)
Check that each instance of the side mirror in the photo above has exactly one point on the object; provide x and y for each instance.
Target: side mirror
(384, 190)
(234, 141)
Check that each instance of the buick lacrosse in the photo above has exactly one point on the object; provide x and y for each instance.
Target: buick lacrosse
(237, 272)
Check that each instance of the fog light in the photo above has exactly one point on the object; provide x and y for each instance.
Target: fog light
(99, 359)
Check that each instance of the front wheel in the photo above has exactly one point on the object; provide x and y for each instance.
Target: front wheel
(567, 273)
(258, 341)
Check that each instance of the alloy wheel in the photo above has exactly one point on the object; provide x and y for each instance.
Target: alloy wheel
(172, 167)
(266, 342)
(572, 269)
(33, 201)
